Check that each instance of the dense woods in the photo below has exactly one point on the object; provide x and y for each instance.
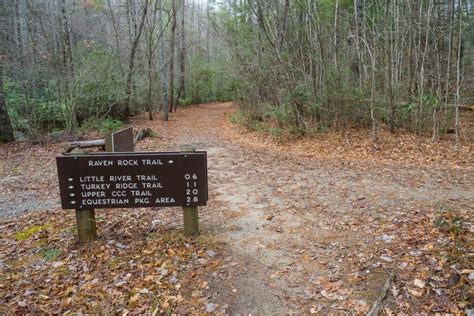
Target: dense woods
(312, 65)
(71, 64)
(236, 157)
(296, 67)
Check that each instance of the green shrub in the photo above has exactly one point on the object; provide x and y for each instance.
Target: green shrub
(276, 132)
(33, 109)
(98, 83)
(185, 101)
(109, 125)
(283, 115)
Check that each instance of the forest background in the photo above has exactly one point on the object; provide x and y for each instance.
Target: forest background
(295, 67)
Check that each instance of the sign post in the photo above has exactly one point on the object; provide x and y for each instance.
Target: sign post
(86, 225)
(133, 179)
(190, 213)
(85, 218)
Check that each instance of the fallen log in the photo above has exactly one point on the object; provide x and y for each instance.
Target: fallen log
(137, 136)
(85, 144)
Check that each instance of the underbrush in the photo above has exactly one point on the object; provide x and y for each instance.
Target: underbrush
(282, 123)
(357, 142)
(265, 126)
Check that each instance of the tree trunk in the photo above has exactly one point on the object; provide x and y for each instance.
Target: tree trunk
(356, 65)
(448, 66)
(284, 24)
(162, 62)
(182, 57)
(151, 55)
(131, 61)
(6, 131)
(116, 35)
(67, 52)
(18, 37)
(68, 65)
(336, 11)
(457, 123)
(424, 52)
(388, 49)
(171, 56)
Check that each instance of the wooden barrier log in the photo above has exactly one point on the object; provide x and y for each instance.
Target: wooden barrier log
(85, 144)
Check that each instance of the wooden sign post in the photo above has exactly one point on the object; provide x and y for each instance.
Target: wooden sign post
(85, 218)
(127, 180)
(86, 225)
(120, 141)
(190, 213)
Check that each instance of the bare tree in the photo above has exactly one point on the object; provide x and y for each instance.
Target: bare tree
(171, 56)
(131, 60)
(150, 30)
(162, 65)
(182, 56)
(458, 76)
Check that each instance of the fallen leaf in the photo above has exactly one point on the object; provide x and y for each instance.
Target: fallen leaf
(419, 283)
(414, 292)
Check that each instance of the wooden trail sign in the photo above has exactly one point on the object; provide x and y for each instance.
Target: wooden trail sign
(125, 180)
(120, 141)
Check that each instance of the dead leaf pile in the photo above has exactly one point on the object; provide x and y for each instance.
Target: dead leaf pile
(137, 265)
(431, 255)
(358, 145)
(313, 226)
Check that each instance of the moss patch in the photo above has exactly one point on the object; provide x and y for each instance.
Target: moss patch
(29, 231)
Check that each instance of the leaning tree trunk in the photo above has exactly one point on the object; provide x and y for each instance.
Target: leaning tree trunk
(6, 131)
(128, 88)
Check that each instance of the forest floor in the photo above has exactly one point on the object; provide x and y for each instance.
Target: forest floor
(314, 225)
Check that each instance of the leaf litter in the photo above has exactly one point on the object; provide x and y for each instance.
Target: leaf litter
(313, 225)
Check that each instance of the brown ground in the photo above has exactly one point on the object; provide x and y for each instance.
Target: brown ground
(309, 226)
(296, 223)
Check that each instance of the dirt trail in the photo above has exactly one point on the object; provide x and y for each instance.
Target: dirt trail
(295, 226)
(28, 180)
(294, 233)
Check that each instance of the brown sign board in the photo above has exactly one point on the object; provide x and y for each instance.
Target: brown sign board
(121, 141)
(126, 180)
